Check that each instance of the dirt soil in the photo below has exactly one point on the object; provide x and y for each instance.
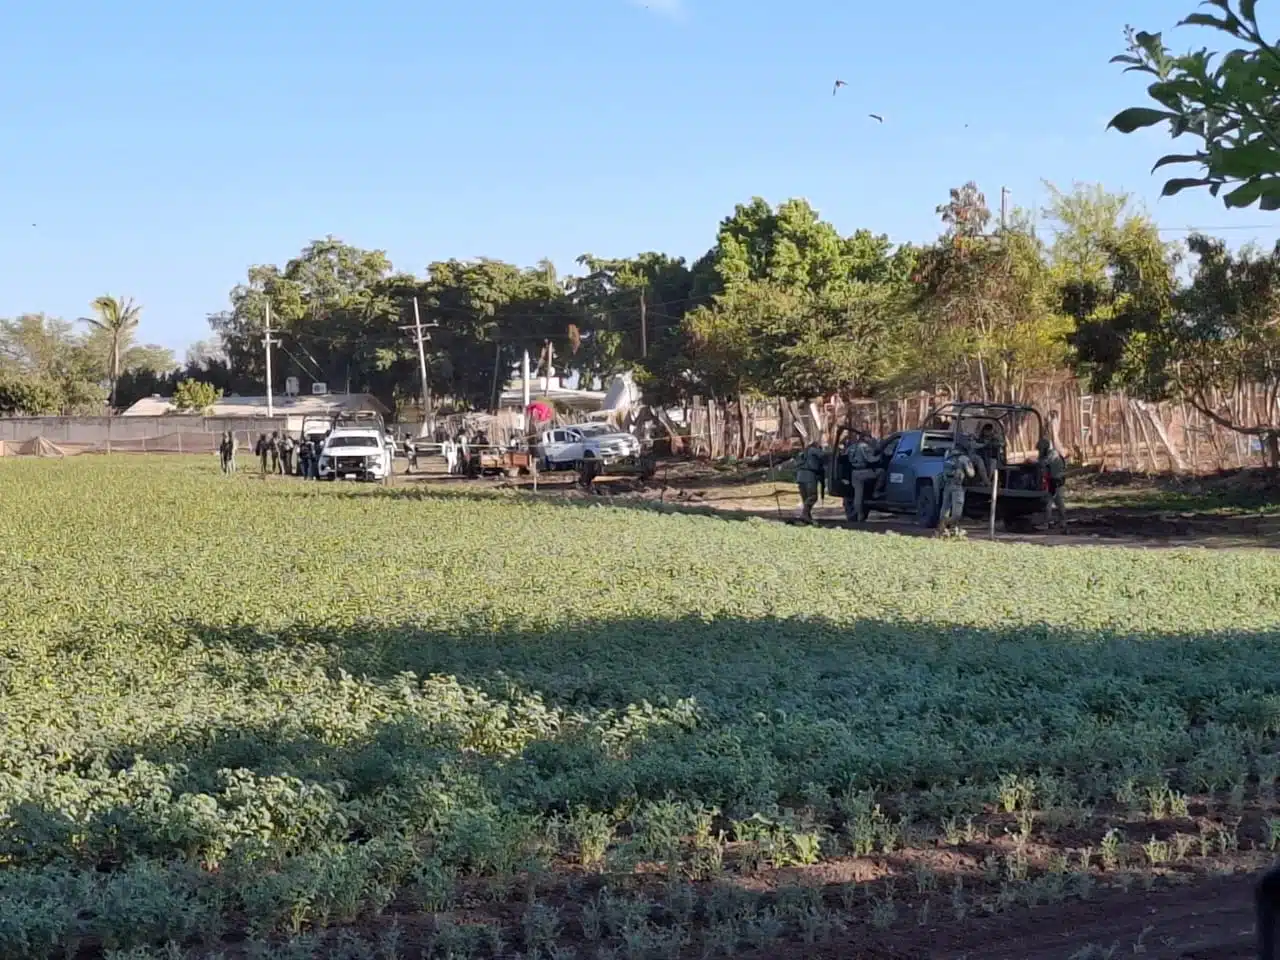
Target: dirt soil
(1228, 511)
(1201, 916)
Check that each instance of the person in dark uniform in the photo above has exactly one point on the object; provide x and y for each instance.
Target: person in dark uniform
(410, 454)
(262, 450)
(304, 458)
(810, 476)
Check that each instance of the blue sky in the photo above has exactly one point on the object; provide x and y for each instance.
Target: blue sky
(161, 148)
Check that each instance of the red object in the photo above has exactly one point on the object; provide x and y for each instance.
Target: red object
(540, 411)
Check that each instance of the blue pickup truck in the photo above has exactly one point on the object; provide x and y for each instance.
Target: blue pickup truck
(908, 478)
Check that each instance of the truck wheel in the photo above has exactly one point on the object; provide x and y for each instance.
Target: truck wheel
(927, 507)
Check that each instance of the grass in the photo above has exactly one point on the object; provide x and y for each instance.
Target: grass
(1253, 492)
(277, 710)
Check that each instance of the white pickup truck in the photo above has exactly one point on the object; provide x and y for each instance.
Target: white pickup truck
(364, 453)
(565, 448)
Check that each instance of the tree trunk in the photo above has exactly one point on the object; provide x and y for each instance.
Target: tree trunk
(115, 371)
(1273, 450)
(742, 428)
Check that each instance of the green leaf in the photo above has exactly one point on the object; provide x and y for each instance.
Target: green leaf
(1247, 10)
(1167, 94)
(1205, 20)
(1177, 158)
(1269, 202)
(1177, 185)
(1245, 194)
(1135, 118)
(1251, 160)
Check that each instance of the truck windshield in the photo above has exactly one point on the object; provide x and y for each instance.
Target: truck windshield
(353, 442)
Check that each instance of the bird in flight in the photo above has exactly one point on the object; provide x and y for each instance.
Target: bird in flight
(876, 116)
(838, 84)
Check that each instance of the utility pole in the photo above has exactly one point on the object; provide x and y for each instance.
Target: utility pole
(420, 337)
(1004, 207)
(268, 342)
(524, 378)
(497, 362)
(644, 330)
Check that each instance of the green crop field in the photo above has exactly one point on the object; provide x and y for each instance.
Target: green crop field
(285, 719)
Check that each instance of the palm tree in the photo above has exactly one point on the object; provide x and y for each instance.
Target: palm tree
(118, 319)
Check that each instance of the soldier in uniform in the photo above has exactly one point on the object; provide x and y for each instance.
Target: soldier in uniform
(864, 459)
(991, 450)
(261, 449)
(317, 447)
(1051, 462)
(273, 451)
(410, 453)
(811, 473)
(229, 452)
(956, 469)
(304, 458)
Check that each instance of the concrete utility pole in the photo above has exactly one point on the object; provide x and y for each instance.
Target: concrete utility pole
(644, 329)
(524, 378)
(268, 342)
(1004, 207)
(421, 337)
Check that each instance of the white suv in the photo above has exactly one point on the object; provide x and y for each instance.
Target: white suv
(359, 452)
(565, 448)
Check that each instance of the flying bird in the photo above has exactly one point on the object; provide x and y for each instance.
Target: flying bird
(876, 116)
(837, 86)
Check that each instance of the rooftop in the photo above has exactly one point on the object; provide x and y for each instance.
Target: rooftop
(302, 406)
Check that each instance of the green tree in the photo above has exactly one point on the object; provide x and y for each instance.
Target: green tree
(24, 394)
(117, 319)
(808, 311)
(626, 308)
(48, 350)
(1117, 280)
(325, 309)
(1227, 336)
(733, 341)
(1227, 102)
(194, 396)
(985, 303)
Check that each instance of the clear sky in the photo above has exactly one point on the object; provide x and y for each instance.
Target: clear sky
(160, 148)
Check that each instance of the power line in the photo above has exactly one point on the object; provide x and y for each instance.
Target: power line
(1269, 226)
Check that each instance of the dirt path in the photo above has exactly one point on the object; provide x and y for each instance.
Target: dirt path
(699, 489)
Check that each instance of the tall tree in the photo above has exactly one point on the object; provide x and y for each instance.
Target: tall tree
(822, 312)
(1228, 102)
(1117, 280)
(626, 307)
(985, 303)
(1226, 336)
(117, 318)
(49, 352)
